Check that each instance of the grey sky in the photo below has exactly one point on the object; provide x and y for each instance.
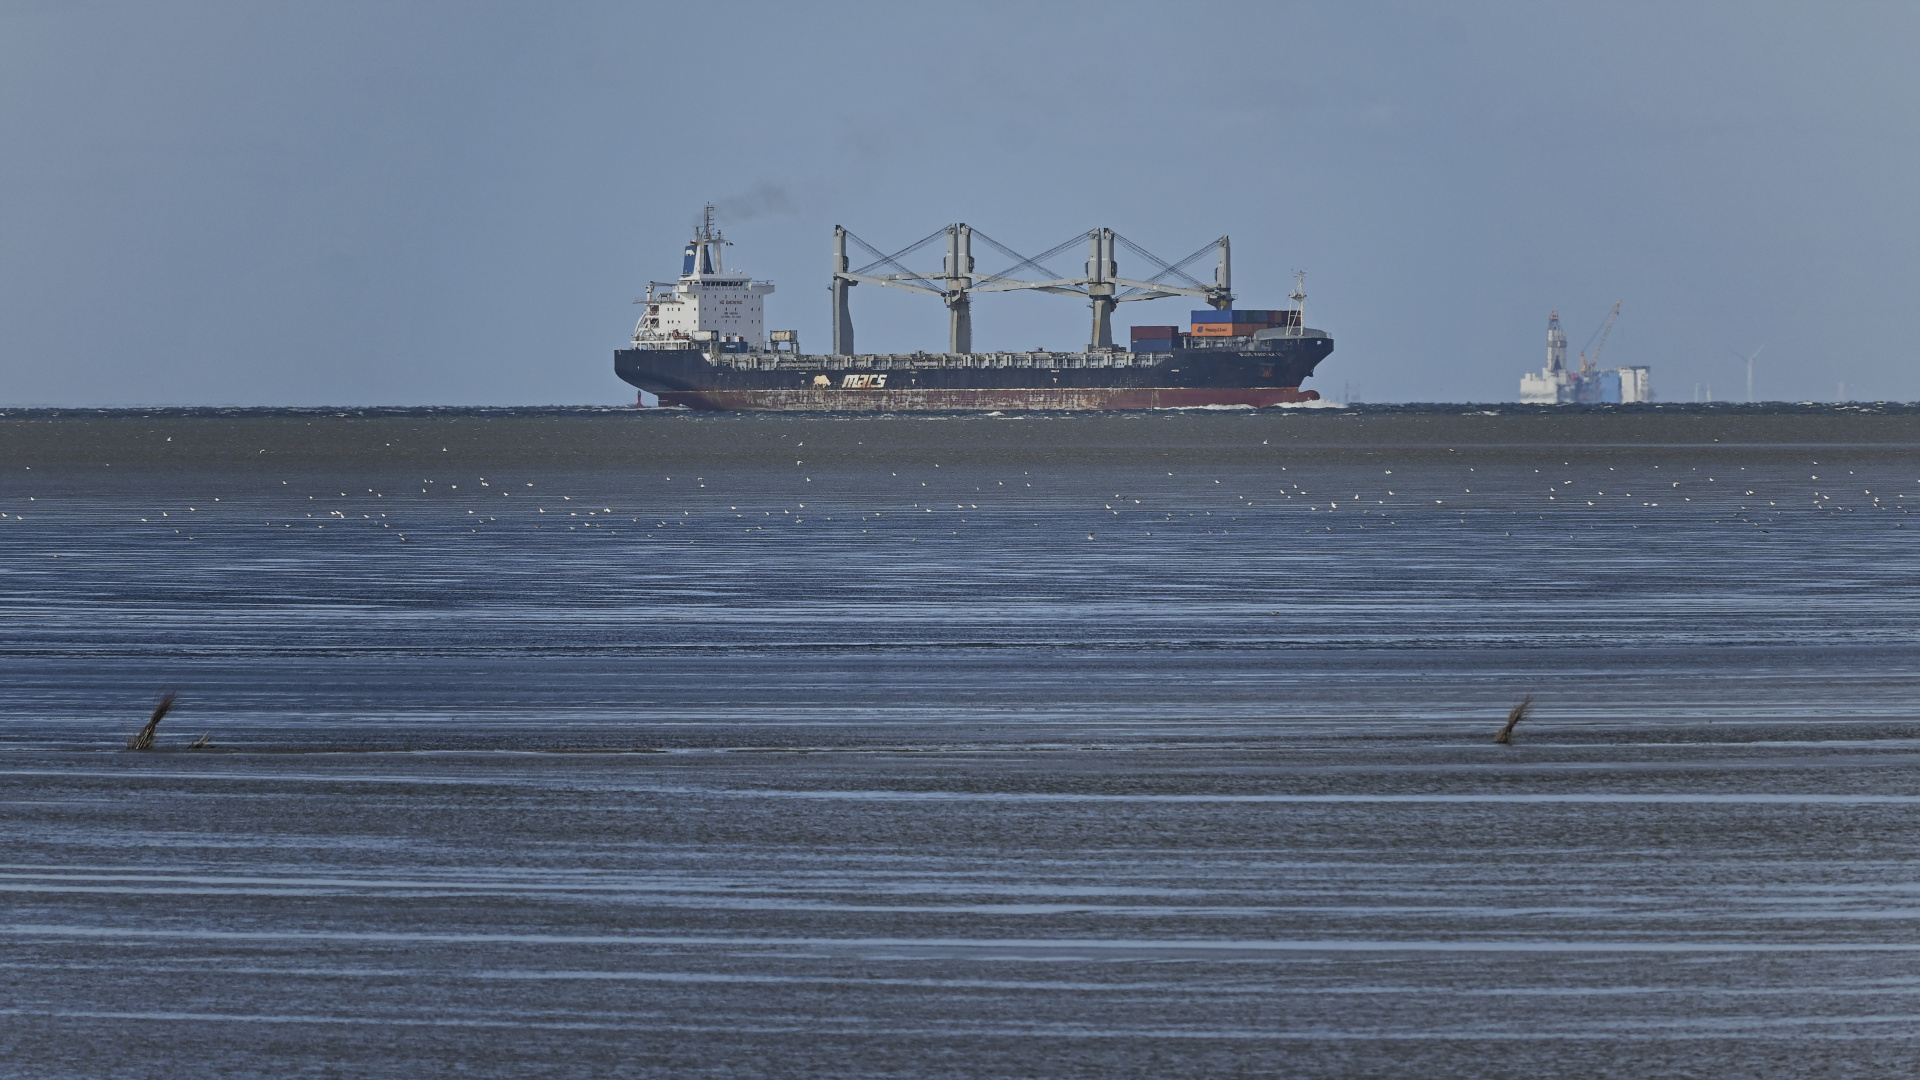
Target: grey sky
(410, 203)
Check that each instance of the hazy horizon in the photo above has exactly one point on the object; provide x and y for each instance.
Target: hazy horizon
(360, 205)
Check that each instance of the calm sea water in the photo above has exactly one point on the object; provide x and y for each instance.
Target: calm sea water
(650, 744)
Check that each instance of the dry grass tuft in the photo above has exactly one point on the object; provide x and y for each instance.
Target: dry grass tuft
(144, 740)
(1521, 710)
(202, 742)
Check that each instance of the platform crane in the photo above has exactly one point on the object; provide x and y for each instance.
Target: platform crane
(1588, 364)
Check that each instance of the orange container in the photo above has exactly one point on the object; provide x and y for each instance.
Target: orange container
(1223, 329)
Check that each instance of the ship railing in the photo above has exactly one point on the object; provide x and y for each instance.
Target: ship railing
(1271, 333)
(770, 361)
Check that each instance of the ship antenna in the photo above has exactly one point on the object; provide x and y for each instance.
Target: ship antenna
(708, 240)
(1299, 297)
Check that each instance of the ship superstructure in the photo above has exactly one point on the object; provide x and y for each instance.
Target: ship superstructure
(701, 341)
(708, 303)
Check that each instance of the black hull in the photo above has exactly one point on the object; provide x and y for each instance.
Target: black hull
(1268, 373)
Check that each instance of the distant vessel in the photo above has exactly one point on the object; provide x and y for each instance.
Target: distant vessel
(1557, 385)
(702, 342)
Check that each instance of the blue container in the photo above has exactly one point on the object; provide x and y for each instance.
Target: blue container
(1610, 387)
(1262, 316)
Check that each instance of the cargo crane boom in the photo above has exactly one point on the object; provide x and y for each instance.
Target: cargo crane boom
(957, 281)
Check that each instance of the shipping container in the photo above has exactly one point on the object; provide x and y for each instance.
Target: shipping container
(1262, 316)
(1140, 332)
(1226, 329)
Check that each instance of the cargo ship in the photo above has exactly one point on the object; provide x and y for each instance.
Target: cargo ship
(702, 342)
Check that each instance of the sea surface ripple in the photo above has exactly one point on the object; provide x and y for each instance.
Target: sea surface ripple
(592, 742)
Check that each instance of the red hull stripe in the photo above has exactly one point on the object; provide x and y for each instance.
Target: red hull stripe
(965, 400)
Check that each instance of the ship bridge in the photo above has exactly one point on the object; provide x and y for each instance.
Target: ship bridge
(708, 303)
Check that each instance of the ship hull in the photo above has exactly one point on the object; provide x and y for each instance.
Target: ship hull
(1156, 397)
(1265, 374)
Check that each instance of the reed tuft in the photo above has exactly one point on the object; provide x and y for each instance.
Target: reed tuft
(1521, 710)
(144, 740)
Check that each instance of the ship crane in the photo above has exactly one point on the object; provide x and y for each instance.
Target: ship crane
(955, 283)
(952, 283)
(1589, 363)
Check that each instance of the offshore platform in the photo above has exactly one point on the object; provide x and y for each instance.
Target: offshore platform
(1557, 384)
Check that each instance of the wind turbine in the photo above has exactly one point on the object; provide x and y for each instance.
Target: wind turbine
(1749, 360)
